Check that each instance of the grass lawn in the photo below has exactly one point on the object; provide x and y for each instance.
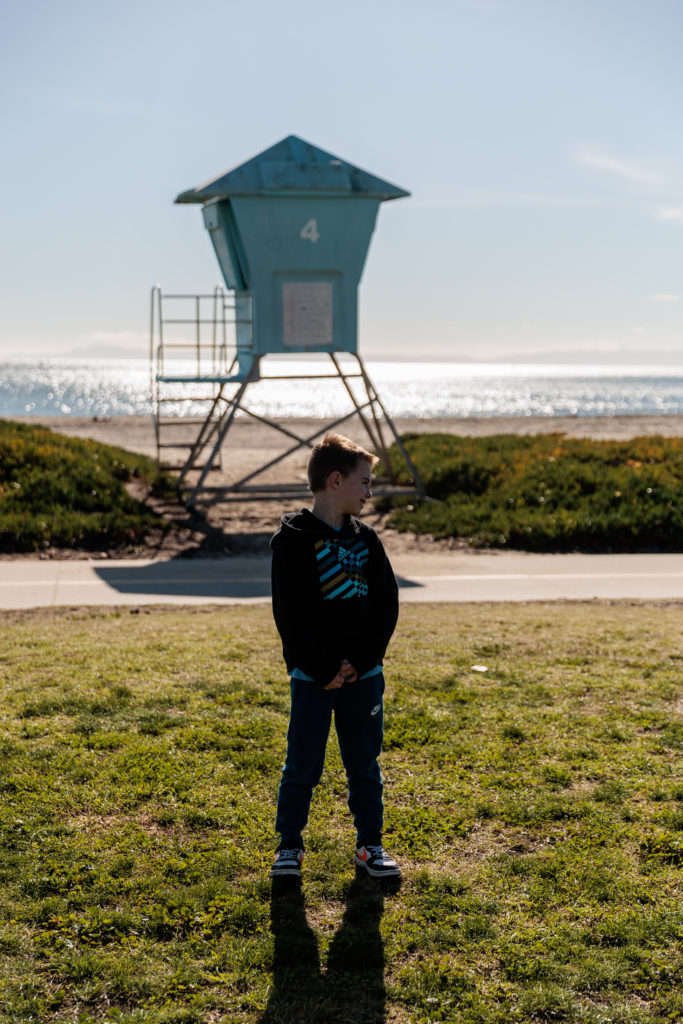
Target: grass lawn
(537, 808)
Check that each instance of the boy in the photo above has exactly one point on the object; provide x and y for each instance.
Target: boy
(335, 603)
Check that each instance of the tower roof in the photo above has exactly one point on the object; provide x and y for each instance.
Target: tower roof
(289, 167)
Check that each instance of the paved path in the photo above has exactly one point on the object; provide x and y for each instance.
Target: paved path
(457, 576)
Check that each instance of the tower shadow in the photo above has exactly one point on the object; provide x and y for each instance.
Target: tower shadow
(351, 989)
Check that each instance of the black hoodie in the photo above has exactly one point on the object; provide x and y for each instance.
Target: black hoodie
(334, 595)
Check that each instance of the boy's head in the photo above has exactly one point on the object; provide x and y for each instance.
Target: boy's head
(335, 454)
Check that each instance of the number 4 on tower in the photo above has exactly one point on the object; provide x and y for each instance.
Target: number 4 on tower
(310, 230)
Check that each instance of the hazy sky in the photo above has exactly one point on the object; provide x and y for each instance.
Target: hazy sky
(540, 139)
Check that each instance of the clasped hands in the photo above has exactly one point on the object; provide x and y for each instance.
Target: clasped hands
(346, 674)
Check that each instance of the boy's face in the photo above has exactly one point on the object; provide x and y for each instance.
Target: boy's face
(353, 490)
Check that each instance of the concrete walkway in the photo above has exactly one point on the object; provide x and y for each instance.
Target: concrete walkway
(456, 576)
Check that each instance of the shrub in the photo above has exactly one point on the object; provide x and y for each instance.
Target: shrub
(64, 492)
(548, 493)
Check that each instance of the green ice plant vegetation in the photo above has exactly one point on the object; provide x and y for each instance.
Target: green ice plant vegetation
(547, 492)
(537, 493)
(57, 491)
(535, 803)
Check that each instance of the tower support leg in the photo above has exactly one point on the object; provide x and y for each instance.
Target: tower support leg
(366, 405)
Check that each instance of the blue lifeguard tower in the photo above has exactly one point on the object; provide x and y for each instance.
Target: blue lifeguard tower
(291, 230)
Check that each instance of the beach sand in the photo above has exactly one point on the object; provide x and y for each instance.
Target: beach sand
(245, 526)
(248, 439)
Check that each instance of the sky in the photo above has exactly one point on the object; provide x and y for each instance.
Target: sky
(540, 141)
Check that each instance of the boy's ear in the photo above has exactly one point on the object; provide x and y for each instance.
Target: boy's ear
(334, 479)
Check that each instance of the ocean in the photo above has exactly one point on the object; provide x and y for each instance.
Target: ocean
(122, 387)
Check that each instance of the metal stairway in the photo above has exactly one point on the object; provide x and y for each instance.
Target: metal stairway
(192, 345)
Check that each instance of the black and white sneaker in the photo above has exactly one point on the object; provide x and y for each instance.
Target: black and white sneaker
(377, 862)
(287, 863)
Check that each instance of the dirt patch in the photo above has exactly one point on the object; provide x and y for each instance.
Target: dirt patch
(235, 528)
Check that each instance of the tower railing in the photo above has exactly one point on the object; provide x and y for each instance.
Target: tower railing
(192, 343)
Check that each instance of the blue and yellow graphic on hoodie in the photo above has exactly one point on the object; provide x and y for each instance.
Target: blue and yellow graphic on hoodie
(340, 568)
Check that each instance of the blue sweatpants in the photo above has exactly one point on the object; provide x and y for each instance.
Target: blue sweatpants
(359, 722)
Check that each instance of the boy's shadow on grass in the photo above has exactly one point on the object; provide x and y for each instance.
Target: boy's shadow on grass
(352, 988)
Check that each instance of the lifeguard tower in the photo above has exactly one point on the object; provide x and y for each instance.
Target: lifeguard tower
(291, 229)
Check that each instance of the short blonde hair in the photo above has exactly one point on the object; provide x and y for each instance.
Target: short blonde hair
(335, 453)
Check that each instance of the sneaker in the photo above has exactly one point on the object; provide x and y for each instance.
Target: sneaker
(287, 862)
(377, 862)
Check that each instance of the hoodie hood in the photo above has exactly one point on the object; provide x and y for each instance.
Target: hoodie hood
(303, 525)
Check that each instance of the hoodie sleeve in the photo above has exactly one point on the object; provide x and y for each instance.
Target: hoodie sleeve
(369, 649)
(293, 588)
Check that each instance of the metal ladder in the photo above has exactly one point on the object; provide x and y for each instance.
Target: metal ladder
(198, 330)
